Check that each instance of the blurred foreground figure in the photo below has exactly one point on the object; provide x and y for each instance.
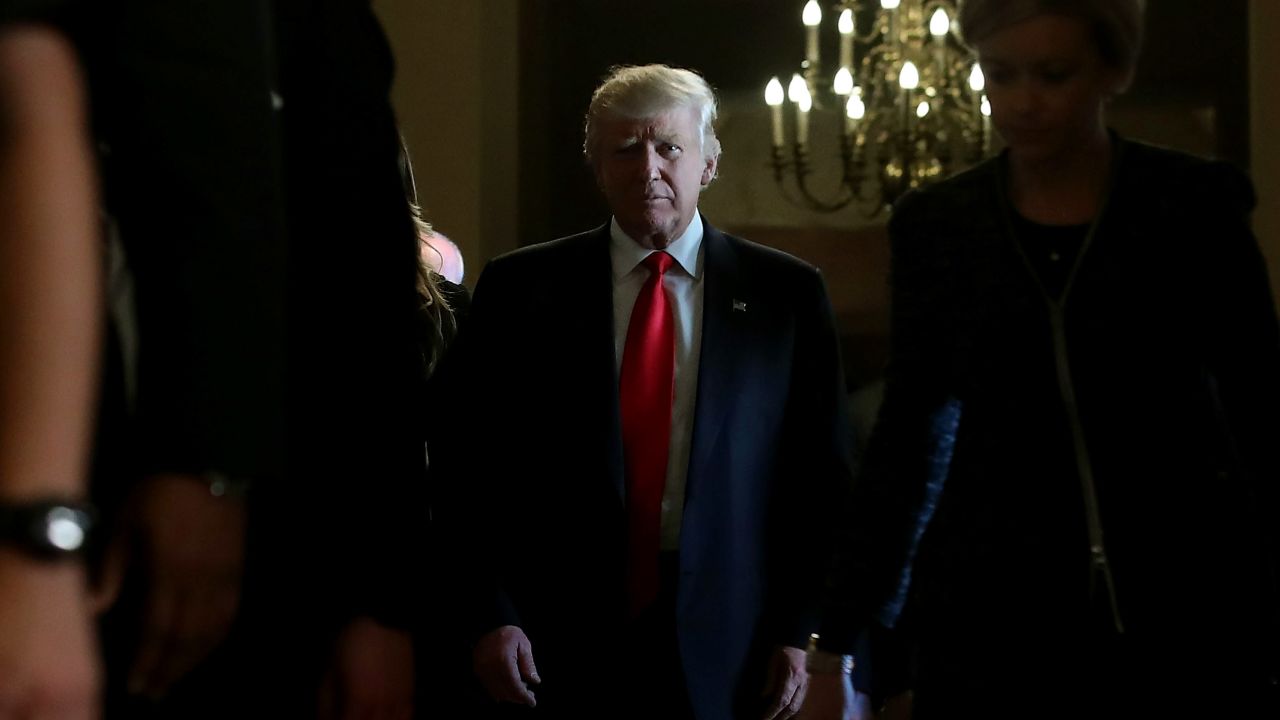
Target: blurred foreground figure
(266, 512)
(50, 306)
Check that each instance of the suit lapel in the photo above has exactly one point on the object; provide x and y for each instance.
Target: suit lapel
(723, 311)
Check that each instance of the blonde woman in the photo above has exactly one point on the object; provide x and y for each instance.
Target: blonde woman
(1080, 410)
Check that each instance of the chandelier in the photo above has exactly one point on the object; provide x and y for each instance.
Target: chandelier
(910, 95)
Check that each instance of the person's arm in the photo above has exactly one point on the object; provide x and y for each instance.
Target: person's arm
(371, 675)
(1243, 342)
(50, 307)
(815, 469)
(909, 448)
(468, 480)
(907, 454)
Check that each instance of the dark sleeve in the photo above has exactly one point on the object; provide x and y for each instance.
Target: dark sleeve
(474, 383)
(354, 357)
(1244, 340)
(814, 467)
(190, 173)
(909, 448)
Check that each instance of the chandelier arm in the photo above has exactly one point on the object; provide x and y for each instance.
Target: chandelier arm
(871, 210)
(808, 201)
(826, 206)
(879, 50)
(870, 36)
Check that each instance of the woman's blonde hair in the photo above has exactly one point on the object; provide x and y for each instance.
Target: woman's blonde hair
(434, 311)
(1116, 24)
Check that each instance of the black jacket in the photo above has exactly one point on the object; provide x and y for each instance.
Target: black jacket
(1170, 363)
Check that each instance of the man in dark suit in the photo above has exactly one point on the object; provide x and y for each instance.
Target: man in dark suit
(654, 439)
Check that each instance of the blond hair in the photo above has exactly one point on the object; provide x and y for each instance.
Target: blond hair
(1116, 24)
(643, 91)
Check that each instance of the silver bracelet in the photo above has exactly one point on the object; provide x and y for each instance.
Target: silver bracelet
(821, 661)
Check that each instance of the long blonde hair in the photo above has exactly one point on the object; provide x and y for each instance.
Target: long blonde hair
(432, 304)
(439, 324)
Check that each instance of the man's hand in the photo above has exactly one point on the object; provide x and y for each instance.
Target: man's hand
(48, 659)
(787, 684)
(832, 697)
(189, 546)
(503, 660)
(372, 675)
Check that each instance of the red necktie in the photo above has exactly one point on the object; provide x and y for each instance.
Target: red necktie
(646, 388)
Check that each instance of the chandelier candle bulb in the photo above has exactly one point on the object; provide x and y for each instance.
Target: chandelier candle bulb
(909, 76)
(795, 88)
(939, 27)
(854, 111)
(894, 39)
(891, 19)
(847, 31)
(843, 84)
(939, 24)
(977, 81)
(773, 98)
(860, 105)
(985, 110)
(802, 119)
(812, 18)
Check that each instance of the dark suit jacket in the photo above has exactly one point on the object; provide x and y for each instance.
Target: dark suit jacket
(537, 515)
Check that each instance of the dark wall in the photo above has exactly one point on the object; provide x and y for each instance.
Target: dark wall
(1197, 55)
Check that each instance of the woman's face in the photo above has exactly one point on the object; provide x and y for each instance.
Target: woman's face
(1047, 83)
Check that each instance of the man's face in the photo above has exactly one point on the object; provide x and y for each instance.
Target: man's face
(651, 171)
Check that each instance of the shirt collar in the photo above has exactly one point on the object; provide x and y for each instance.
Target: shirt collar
(626, 253)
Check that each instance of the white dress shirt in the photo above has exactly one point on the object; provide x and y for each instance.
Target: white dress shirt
(683, 284)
